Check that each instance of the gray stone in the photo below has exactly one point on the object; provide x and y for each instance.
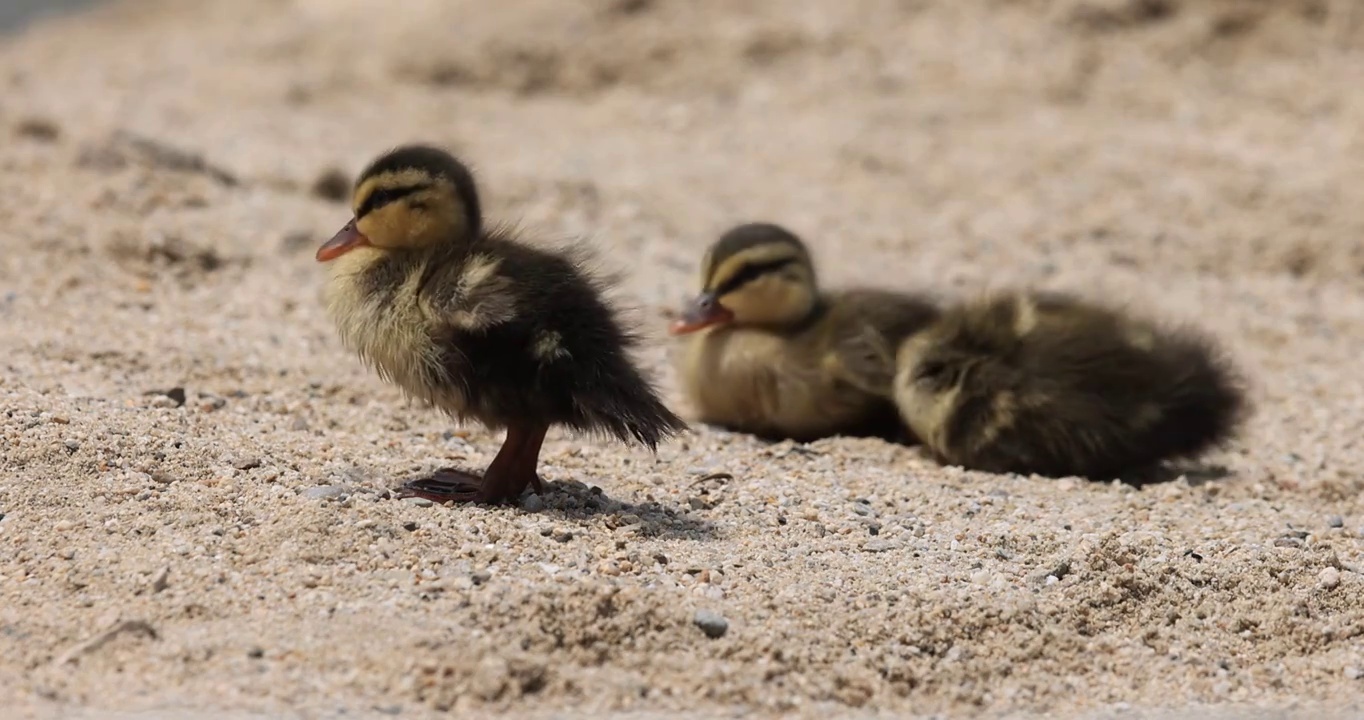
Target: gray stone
(327, 492)
(711, 623)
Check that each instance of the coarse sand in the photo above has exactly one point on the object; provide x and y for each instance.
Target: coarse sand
(195, 516)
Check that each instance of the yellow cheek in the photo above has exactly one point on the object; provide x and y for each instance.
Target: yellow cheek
(765, 301)
(384, 229)
(373, 227)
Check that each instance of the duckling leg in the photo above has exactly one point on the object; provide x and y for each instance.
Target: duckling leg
(511, 471)
(514, 468)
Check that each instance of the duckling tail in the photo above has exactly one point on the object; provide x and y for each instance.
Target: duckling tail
(632, 411)
(617, 400)
(1205, 402)
(648, 422)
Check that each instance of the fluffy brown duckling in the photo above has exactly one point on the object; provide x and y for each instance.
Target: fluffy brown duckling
(770, 354)
(1050, 384)
(480, 325)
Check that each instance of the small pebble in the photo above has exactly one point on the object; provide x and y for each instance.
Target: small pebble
(299, 424)
(211, 403)
(533, 503)
(1328, 578)
(162, 580)
(879, 545)
(710, 592)
(711, 623)
(326, 492)
(563, 536)
(38, 128)
(1335, 521)
(395, 577)
(481, 576)
(256, 653)
(410, 526)
(332, 184)
(297, 241)
(73, 446)
(1353, 673)
(419, 501)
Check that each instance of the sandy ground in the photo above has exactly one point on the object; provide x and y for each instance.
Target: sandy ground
(17, 14)
(194, 515)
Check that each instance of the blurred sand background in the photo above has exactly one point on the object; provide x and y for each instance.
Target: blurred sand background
(193, 470)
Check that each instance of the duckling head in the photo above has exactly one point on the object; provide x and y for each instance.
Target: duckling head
(757, 274)
(410, 198)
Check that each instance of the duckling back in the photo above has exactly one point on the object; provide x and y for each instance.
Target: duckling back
(1044, 383)
(557, 351)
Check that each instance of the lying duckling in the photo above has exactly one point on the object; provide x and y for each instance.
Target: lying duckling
(775, 357)
(481, 326)
(1048, 384)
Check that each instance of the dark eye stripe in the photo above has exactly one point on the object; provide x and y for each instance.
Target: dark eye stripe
(751, 272)
(384, 196)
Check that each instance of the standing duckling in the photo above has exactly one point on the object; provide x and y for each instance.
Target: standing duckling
(1045, 383)
(479, 325)
(772, 355)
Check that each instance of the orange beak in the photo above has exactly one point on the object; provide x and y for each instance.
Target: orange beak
(346, 239)
(702, 312)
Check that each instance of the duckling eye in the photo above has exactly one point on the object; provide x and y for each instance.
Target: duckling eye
(383, 196)
(749, 273)
(929, 368)
(934, 371)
